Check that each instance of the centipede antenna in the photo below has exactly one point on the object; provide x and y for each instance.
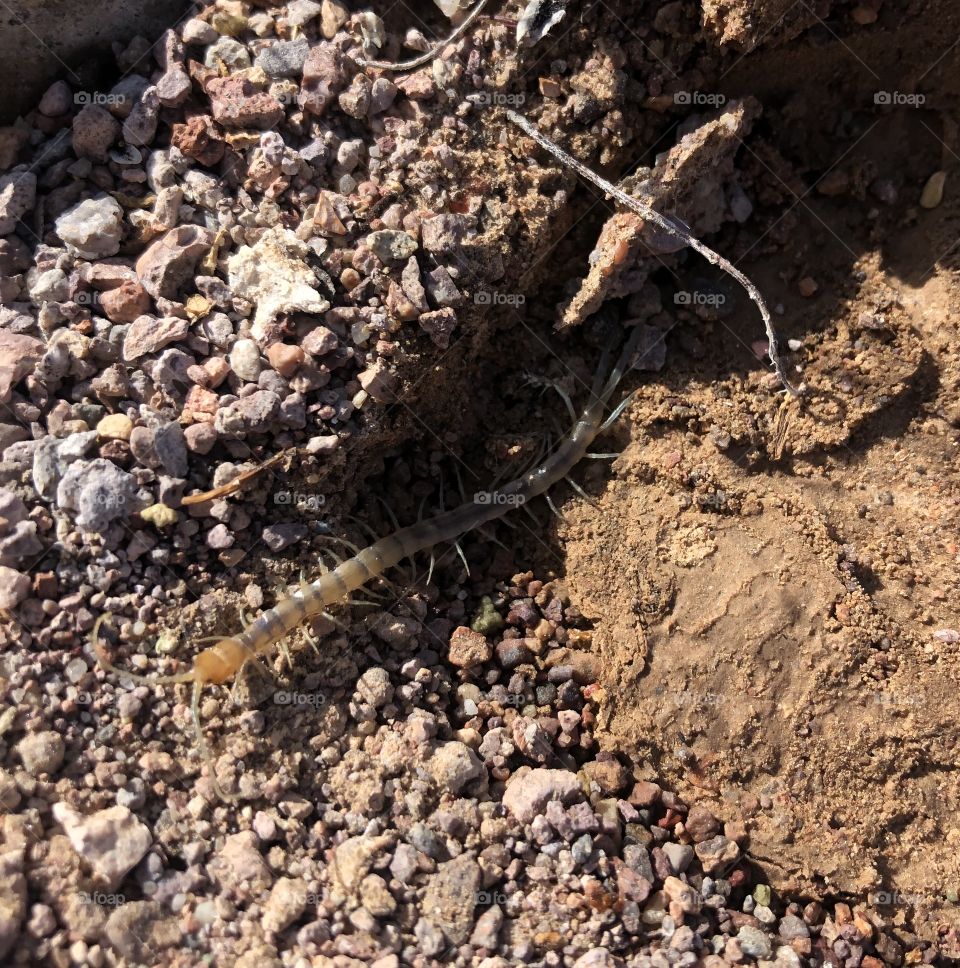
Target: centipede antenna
(582, 492)
(354, 549)
(463, 557)
(390, 514)
(669, 225)
(423, 504)
(205, 753)
(361, 526)
(456, 471)
(110, 667)
(618, 410)
(564, 396)
(553, 507)
(601, 456)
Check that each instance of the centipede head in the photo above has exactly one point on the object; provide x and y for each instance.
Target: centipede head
(220, 662)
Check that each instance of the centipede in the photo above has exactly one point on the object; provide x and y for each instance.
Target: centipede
(220, 662)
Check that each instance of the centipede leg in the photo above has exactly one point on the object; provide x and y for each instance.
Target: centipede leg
(618, 410)
(553, 507)
(205, 752)
(582, 492)
(463, 557)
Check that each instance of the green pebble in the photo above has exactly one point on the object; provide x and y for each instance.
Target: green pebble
(952, 896)
(487, 621)
(761, 894)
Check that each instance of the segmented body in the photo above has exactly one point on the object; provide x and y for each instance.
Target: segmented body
(220, 662)
(335, 586)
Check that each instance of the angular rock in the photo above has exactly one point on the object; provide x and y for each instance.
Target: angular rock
(98, 491)
(18, 192)
(236, 103)
(527, 795)
(275, 277)
(111, 841)
(169, 263)
(451, 896)
(454, 765)
(94, 132)
(19, 354)
(93, 228)
(148, 334)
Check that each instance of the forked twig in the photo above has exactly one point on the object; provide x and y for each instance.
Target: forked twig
(650, 215)
(424, 58)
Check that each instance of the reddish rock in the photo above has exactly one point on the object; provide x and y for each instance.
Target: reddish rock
(701, 824)
(285, 359)
(19, 354)
(419, 86)
(469, 648)
(326, 72)
(94, 132)
(610, 775)
(645, 794)
(237, 103)
(169, 262)
(125, 303)
(199, 138)
(439, 326)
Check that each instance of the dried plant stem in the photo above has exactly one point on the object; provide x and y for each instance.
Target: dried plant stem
(649, 215)
(425, 58)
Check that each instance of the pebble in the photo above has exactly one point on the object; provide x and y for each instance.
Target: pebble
(147, 334)
(468, 648)
(111, 841)
(170, 262)
(245, 360)
(286, 903)
(41, 753)
(14, 587)
(115, 426)
(98, 491)
(454, 765)
(932, 194)
(94, 132)
(94, 228)
(18, 192)
(277, 537)
(527, 795)
(283, 58)
(754, 942)
(391, 246)
(56, 100)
